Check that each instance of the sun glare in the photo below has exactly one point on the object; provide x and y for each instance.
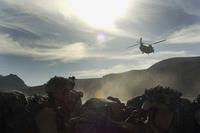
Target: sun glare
(101, 37)
(98, 13)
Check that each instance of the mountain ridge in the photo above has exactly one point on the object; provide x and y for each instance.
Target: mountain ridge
(180, 73)
(11, 81)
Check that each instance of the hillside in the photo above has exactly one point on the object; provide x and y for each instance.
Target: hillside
(182, 74)
(11, 82)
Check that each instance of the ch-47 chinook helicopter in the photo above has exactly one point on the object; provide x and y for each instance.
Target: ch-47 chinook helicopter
(146, 48)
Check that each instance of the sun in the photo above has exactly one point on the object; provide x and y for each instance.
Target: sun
(99, 13)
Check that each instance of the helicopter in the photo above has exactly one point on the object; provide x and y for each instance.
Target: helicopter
(146, 48)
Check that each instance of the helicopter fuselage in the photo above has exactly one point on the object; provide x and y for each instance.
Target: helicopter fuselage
(146, 49)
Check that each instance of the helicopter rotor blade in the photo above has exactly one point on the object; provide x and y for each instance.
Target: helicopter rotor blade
(133, 45)
(145, 43)
(159, 41)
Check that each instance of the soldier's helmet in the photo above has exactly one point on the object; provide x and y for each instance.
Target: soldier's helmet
(162, 98)
(57, 84)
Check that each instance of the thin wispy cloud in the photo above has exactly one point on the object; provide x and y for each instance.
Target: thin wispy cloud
(189, 35)
(189, 6)
(66, 53)
(56, 6)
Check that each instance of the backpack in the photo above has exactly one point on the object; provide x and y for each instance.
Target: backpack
(97, 116)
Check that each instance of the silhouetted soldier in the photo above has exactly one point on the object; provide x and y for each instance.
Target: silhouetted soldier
(197, 120)
(157, 111)
(63, 101)
(160, 116)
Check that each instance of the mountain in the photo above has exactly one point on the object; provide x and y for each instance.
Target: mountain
(182, 74)
(11, 82)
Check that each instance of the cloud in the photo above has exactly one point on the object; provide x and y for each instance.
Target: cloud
(59, 6)
(30, 22)
(153, 19)
(65, 53)
(55, 11)
(189, 6)
(189, 35)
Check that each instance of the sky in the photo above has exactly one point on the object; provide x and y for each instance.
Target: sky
(89, 38)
